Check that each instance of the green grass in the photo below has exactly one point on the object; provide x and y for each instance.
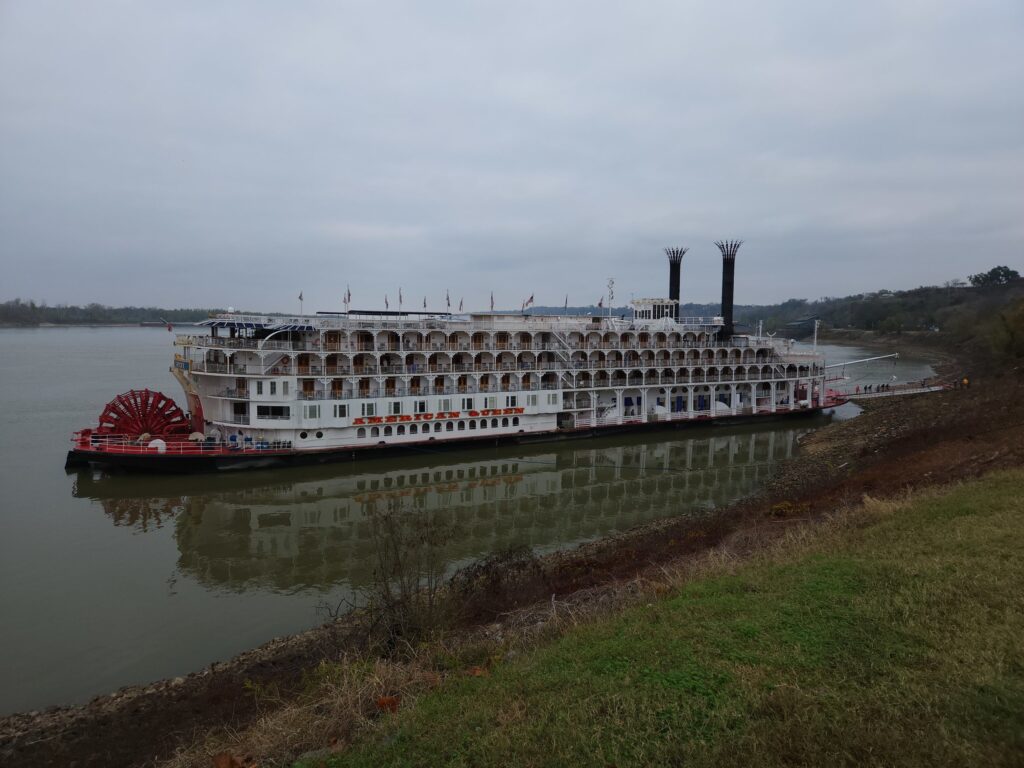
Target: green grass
(895, 640)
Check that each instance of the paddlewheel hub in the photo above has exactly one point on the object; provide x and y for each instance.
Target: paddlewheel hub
(140, 412)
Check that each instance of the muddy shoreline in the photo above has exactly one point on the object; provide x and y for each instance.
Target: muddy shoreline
(896, 443)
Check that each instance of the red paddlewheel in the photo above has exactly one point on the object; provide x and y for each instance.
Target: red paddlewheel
(142, 411)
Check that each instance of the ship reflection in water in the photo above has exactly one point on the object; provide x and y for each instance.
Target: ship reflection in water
(314, 529)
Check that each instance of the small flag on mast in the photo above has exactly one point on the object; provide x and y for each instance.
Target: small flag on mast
(447, 298)
(424, 302)
(386, 305)
(300, 295)
(399, 297)
(492, 301)
(566, 301)
(460, 305)
(600, 302)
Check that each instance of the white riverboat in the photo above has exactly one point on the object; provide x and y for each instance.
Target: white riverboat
(265, 390)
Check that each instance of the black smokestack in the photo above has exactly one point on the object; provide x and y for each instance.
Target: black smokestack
(675, 260)
(728, 249)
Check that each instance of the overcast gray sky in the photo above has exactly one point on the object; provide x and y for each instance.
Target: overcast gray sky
(234, 153)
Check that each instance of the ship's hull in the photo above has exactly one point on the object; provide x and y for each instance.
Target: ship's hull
(226, 460)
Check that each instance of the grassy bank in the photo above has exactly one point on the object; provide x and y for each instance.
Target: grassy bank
(891, 635)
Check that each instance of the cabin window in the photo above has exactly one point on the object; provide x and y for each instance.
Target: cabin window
(420, 406)
(515, 421)
(272, 412)
(511, 401)
(437, 426)
(284, 388)
(504, 422)
(483, 423)
(490, 402)
(387, 431)
(369, 409)
(414, 429)
(467, 403)
(553, 399)
(375, 432)
(273, 387)
(472, 425)
(259, 387)
(311, 411)
(531, 399)
(340, 411)
(400, 430)
(395, 408)
(462, 426)
(361, 432)
(494, 423)
(444, 404)
(450, 426)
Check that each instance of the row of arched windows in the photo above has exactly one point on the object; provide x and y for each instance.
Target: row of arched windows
(448, 426)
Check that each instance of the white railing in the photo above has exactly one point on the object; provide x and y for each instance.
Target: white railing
(317, 346)
(523, 366)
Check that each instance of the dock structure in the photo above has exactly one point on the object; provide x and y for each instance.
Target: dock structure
(896, 392)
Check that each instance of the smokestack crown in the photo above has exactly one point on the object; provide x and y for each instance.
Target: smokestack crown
(729, 248)
(675, 255)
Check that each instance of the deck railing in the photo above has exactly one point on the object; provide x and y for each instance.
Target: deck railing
(315, 346)
(123, 444)
(442, 368)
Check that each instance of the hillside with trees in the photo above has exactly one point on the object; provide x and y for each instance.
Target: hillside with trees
(29, 313)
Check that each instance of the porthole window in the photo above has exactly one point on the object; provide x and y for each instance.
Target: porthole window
(387, 431)
(472, 425)
(414, 429)
(437, 426)
(483, 423)
(494, 423)
(504, 422)
(515, 421)
(319, 435)
(303, 435)
(375, 432)
(450, 426)
(401, 429)
(462, 426)
(361, 432)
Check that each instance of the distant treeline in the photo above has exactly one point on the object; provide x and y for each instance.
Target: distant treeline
(926, 308)
(28, 313)
(955, 307)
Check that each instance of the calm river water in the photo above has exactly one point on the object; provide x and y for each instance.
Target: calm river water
(112, 580)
